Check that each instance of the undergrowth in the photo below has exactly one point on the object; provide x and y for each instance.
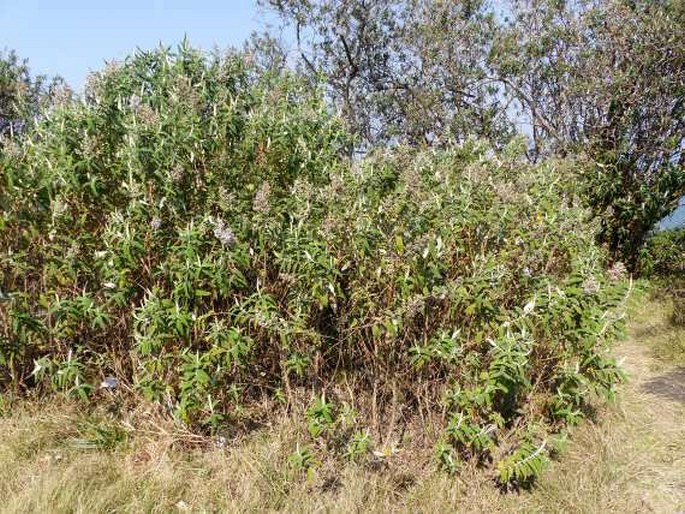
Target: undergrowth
(191, 232)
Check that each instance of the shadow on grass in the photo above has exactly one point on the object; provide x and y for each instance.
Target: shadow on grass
(670, 385)
(650, 331)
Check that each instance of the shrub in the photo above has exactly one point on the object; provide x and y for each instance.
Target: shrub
(191, 229)
(663, 260)
(664, 254)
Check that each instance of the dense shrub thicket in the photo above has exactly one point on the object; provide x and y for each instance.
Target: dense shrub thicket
(190, 229)
(663, 259)
(664, 254)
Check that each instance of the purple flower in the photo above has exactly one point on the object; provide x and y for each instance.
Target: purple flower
(223, 233)
(261, 200)
(134, 102)
(590, 286)
(618, 271)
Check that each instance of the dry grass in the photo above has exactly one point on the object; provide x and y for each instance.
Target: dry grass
(630, 460)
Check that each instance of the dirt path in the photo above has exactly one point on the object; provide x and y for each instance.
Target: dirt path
(633, 458)
(653, 412)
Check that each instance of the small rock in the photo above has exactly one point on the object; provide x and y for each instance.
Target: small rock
(109, 383)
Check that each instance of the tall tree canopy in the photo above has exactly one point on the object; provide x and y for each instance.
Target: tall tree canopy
(22, 96)
(600, 78)
(402, 70)
(606, 78)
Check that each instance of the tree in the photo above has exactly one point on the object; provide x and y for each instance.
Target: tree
(402, 70)
(22, 96)
(606, 78)
(599, 78)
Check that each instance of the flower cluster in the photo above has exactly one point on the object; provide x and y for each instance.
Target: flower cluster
(590, 286)
(224, 233)
(11, 148)
(143, 111)
(618, 271)
(415, 305)
(261, 199)
(134, 102)
(177, 173)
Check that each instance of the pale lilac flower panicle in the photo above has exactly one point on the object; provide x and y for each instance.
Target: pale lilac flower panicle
(12, 149)
(224, 233)
(144, 112)
(412, 180)
(590, 286)
(415, 305)
(147, 114)
(618, 271)
(261, 200)
(177, 173)
(134, 102)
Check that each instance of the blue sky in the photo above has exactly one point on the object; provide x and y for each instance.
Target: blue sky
(71, 37)
(677, 219)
